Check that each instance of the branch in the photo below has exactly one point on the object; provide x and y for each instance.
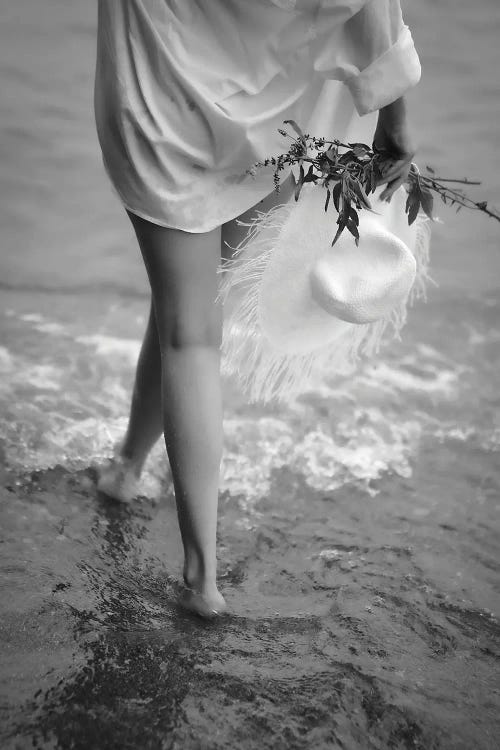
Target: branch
(354, 170)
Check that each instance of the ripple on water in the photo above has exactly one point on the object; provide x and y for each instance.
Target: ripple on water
(66, 399)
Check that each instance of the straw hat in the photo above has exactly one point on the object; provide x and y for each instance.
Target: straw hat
(301, 308)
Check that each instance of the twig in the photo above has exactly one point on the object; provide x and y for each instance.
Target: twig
(350, 172)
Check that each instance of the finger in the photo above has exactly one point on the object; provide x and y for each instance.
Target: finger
(391, 188)
(394, 172)
(395, 169)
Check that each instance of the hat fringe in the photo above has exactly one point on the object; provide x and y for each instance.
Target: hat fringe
(266, 374)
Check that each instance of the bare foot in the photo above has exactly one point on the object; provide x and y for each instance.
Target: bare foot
(208, 604)
(120, 479)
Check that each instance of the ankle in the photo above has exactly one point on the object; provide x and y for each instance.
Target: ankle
(130, 462)
(199, 579)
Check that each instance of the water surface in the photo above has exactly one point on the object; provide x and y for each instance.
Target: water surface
(358, 533)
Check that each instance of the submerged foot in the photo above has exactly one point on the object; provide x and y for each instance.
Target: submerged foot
(120, 479)
(206, 603)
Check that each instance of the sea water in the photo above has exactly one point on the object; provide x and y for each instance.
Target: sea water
(416, 431)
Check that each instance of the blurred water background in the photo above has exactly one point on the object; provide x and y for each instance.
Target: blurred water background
(373, 497)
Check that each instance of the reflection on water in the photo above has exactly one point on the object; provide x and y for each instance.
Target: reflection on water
(358, 528)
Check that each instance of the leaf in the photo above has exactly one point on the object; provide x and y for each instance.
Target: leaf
(427, 201)
(413, 193)
(339, 232)
(430, 169)
(300, 182)
(363, 198)
(346, 186)
(353, 216)
(331, 155)
(328, 195)
(346, 208)
(310, 176)
(414, 207)
(353, 230)
(346, 158)
(367, 179)
(359, 149)
(295, 127)
(336, 195)
(359, 145)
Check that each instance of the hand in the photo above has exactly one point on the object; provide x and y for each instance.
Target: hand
(393, 139)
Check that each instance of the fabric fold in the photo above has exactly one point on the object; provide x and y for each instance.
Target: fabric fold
(189, 96)
(388, 77)
(372, 52)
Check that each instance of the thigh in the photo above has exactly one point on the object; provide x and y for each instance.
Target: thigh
(182, 270)
(233, 234)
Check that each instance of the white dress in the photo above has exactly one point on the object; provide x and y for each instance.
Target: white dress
(189, 94)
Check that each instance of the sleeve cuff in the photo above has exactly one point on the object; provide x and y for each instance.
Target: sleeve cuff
(388, 77)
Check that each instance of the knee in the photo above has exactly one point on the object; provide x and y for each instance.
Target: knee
(186, 331)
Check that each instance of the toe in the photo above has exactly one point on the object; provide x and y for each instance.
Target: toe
(118, 483)
(195, 602)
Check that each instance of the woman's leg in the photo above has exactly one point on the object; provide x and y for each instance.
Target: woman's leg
(120, 478)
(182, 269)
(145, 424)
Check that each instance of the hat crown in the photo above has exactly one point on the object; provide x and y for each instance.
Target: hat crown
(311, 286)
(360, 284)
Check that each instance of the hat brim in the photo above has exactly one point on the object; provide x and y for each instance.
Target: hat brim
(324, 344)
(289, 316)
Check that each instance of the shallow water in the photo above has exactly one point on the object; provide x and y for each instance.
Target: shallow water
(358, 533)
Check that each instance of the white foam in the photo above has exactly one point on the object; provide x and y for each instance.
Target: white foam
(39, 322)
(486, 438)
(32, 317)
(18, 373)
(475, 338)
(6, 360)
(431, 380)
(42, 377)
(353, 430)
(360, 448)
(105, 345)
(52, 328)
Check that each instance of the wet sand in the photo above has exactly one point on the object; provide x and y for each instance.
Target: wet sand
(362, 616)
(354, 624)
(358, 527)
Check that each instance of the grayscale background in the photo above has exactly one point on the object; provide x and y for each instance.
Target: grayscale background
(358, 526)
